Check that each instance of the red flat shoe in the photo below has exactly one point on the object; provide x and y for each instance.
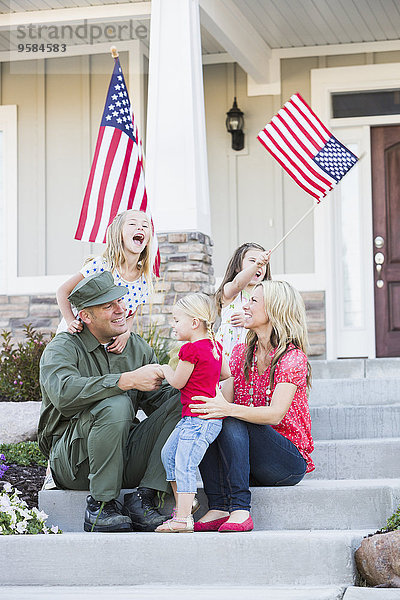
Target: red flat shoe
(247, 525)
(210, 525)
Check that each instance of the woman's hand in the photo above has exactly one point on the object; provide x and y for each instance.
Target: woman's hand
(211, 408)
(237, 319)
(119, 343)
(75, 326)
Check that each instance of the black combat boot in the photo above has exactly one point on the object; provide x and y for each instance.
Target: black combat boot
(105, 517)
(142, 510)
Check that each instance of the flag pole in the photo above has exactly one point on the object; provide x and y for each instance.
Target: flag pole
(114, 52)
(310, 210)
(304, 216)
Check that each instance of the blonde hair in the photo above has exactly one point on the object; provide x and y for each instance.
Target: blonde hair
(286, 312)
(202, 307)
(114, 253)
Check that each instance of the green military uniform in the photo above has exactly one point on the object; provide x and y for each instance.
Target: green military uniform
(87, 424)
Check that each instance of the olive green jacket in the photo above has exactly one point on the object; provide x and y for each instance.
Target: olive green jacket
(76, 372)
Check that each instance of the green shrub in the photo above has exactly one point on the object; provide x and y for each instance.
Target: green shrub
(150, 334)
(393, 522)
(19, 366)
(23, 453)
(159, 344)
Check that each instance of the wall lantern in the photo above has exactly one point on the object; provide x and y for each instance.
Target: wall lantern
(234, 124)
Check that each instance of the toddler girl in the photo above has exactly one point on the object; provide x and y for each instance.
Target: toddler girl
(248, 266)
(199, 370)
(127, 255)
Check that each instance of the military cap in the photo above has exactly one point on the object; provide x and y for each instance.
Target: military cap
(94, 290)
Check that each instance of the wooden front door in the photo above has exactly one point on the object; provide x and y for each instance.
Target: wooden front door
(385, 152)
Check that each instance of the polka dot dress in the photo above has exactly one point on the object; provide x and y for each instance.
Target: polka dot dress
(291, 368)
(137, 292)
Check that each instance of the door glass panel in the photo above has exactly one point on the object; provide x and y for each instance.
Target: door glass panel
(392, 178)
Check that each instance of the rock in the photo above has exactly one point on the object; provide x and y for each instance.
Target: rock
(378, 559)
(18, 421)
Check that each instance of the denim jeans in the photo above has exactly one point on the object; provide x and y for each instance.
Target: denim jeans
(185, 448)
(247, 454)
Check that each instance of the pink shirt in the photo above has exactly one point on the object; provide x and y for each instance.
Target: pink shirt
(205, 375)
(291, 368)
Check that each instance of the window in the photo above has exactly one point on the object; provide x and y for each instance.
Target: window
(366, 104)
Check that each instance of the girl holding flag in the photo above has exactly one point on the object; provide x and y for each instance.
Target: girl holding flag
(248, 266)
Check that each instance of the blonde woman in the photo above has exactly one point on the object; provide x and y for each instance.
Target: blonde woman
(128, 256)
(198, 372)
(266, 437)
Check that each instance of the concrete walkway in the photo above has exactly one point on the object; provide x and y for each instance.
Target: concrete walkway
(171, 593)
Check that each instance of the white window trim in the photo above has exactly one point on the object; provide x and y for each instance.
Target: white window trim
(323, 83)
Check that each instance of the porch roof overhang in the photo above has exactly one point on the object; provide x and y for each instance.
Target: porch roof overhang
(256, 35)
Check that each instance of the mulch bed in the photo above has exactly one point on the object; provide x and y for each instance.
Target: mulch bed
(28, 480)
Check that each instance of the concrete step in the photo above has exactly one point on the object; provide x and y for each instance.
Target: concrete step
(355, 392)
(150, 592)
(356, 368)
(279, 558)
(364, 593)
(357, 459)
(312, 504)
(355, 422)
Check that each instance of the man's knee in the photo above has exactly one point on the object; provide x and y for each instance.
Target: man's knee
(114, 410)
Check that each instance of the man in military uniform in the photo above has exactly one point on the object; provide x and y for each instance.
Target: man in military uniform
(88, 427)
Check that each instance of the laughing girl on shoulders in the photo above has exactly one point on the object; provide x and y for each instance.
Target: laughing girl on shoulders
(128, 256)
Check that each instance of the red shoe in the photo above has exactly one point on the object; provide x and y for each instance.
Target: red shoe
(210, 525)
(247, 525)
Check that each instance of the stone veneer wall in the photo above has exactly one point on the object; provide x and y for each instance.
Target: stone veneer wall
(186, 267)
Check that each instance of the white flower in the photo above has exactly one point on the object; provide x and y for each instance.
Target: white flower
(40, 514)
(21, 527)
(24, 513)
(4, 500)
(15, 514)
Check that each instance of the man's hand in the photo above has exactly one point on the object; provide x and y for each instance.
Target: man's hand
(145, 379)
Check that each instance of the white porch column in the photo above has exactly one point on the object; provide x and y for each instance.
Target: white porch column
(176, 155)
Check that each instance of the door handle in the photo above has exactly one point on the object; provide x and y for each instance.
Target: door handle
(379, 260)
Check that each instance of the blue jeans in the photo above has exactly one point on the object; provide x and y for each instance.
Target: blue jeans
(247, 454)
(184, 449)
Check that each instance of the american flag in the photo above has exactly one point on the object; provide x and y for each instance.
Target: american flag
(305, 148)
(116, 181)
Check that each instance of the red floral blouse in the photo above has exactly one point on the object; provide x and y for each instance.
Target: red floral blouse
(291, 368)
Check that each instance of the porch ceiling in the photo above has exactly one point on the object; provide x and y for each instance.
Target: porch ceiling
(293, 23)
(245, 31)
(280, 23)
